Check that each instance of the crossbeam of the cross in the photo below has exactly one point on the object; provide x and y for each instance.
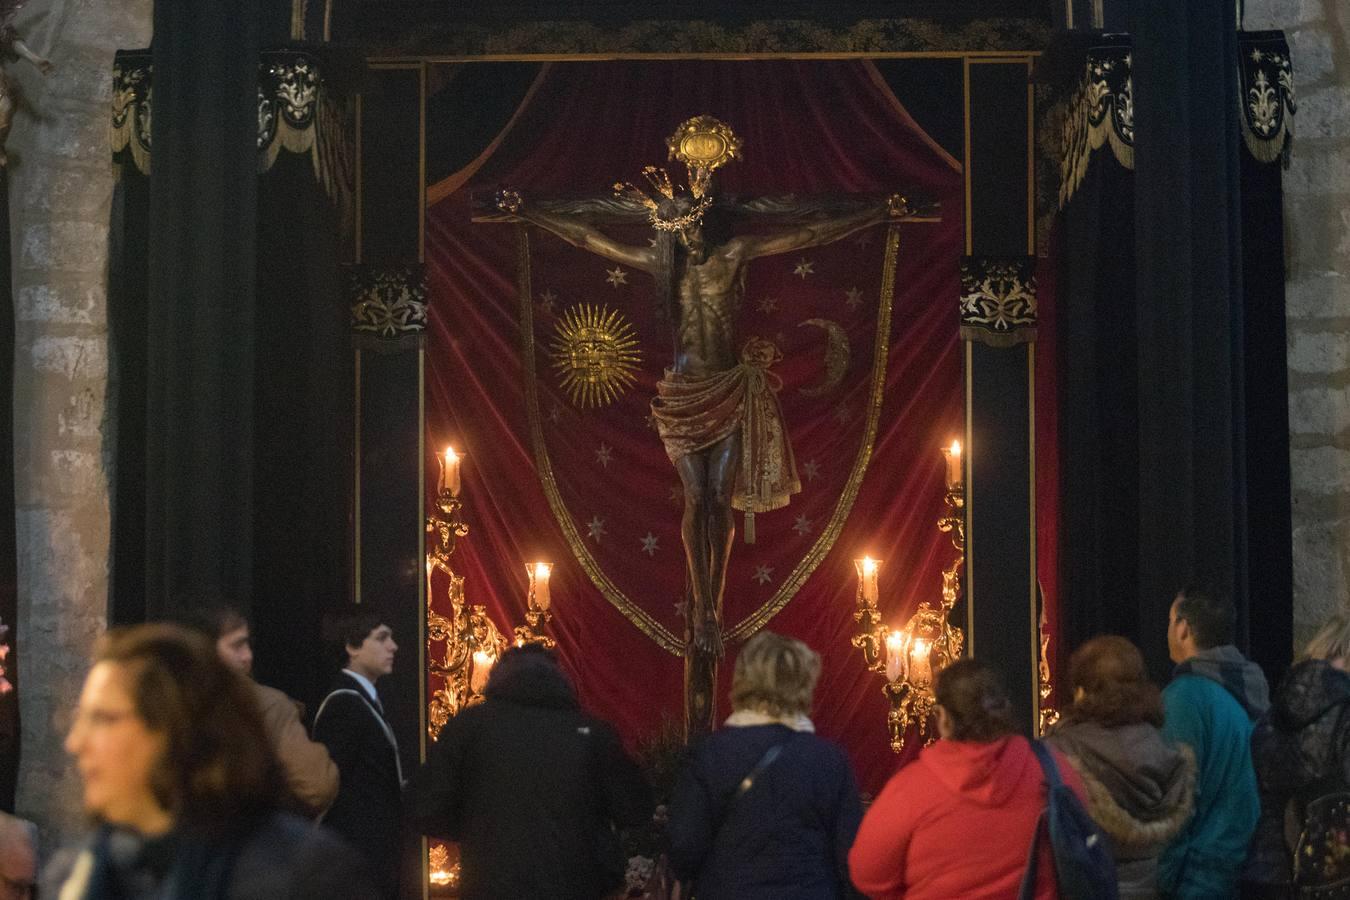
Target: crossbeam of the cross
(783, 209)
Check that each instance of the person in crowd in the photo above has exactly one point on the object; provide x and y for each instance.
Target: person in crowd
(183, 787)
(1301, 751)
(18, 858)
(1210, 705)
(764, 808)
(531, 787)
(311, 777)
(351, 723)
(959, 820)
(1139, 787)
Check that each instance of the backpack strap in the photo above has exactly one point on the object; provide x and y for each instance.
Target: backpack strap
(1050, 770)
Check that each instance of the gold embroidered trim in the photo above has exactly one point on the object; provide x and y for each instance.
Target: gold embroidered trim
(663, 636)
(825, 543)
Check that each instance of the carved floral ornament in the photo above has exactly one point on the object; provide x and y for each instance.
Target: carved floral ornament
(296, 112)
(388, 304)
(1100, 109)
(998, 299)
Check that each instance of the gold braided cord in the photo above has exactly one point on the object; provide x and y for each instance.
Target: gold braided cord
(664, 637)
(825, 543)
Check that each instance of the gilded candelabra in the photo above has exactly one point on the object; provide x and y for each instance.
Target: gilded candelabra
(537, 615)
(911, 657)
(471, 643)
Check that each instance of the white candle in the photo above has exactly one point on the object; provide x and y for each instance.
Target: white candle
(539, 573)
(482, 667)
(449, 480)
(867, 578)
(920, 669)
(953, 455)
(895, 656)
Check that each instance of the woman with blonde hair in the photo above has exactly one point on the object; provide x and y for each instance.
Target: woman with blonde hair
(1140, 788)
(183, 787)
(765, 808)
(1301, 750)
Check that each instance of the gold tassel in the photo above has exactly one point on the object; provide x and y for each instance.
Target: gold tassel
(749, 528)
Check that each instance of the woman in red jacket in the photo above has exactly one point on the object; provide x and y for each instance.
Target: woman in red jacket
(958, 821)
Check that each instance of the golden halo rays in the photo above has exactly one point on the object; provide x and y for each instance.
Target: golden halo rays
(595, 354)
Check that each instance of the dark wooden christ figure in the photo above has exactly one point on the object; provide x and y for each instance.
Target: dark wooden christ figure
(700, 268)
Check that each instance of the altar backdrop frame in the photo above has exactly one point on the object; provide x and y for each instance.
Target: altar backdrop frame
(998, 114)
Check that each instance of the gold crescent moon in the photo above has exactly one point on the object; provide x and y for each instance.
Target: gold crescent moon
(836, 356)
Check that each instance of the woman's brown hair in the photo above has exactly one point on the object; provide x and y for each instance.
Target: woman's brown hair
(218, 766)
(1115, 686)
(976, 702)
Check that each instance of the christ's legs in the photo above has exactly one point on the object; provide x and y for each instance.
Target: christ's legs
(693, 471)
(724, 462)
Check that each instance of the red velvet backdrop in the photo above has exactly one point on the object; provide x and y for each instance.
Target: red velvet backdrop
(809, 128)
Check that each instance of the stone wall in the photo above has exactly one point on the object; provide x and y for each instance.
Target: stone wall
(1317, 251)
(61, 186)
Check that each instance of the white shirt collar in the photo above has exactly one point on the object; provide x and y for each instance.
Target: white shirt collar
(366, 684)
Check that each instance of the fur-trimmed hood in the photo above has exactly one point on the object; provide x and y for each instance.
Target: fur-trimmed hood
(1140, 788)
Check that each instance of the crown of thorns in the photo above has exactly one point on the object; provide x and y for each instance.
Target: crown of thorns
(699, 181)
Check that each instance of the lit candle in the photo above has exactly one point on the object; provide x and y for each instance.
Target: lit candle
(449, 472)
(539, 573)
(895, 655)
(920, 669)
(482, 667)
(953, 455)
(867, 578)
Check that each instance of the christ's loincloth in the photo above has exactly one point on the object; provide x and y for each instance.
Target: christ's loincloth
(694, 412)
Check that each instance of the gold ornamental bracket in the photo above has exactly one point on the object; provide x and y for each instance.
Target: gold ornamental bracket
(911, 657)
(704, 144)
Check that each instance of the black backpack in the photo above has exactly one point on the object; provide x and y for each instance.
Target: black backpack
(1084, 867)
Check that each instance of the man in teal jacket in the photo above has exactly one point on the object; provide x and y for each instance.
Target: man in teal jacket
(1215, 697)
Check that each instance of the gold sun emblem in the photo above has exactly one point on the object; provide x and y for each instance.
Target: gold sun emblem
(595, 354)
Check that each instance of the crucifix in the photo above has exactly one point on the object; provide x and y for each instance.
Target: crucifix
(715, 409)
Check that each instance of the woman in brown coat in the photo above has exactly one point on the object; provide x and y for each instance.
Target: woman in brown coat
(1140, 788)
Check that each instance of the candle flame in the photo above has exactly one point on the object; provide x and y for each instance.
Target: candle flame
(451, 456)
(542, 570)
(483, 658)
(921, 647)
(869, 565)
(956, 448)
(895, 640)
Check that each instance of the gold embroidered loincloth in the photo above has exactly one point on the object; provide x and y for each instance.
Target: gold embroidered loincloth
(694, 412)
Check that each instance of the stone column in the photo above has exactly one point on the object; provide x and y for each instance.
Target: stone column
(1317, 253)
(61, 184)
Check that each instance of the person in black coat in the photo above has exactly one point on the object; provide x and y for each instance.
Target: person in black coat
(532, 788)
(351, 723)
(1301, 750)
(785, 835)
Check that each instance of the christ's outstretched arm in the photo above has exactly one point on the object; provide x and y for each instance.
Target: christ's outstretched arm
(578, 233)
(826, 231)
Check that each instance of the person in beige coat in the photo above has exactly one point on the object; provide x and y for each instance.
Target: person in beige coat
(310, 773)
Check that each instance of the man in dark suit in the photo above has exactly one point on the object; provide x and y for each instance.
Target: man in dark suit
(351, 723)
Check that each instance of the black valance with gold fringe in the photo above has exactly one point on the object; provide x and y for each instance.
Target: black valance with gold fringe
(1096, 105)
(302, 108)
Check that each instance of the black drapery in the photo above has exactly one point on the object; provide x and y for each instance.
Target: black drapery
(1174, 401)
(200, 314)
(230, 355)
